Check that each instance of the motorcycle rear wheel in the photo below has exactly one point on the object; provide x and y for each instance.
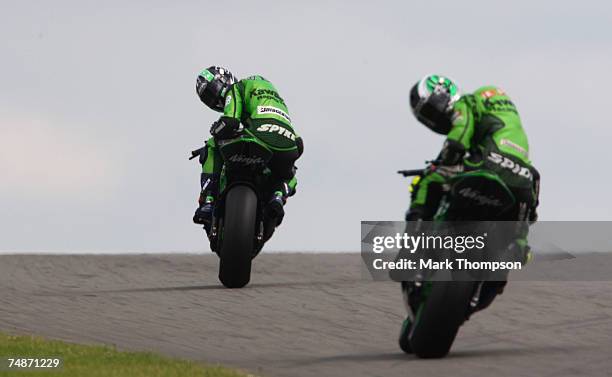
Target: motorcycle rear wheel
(439, 318)
(238, 237)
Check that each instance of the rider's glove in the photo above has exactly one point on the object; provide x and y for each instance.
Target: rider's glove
(452, 152)
(226, 128)
(449, 171)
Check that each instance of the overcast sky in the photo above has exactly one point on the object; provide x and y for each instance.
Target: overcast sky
(98, 110)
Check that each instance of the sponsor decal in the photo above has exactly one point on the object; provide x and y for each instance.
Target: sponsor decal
(266, 110)
(278, 129)
(267, 94)
(492, 93)
(514, 146)
(507, 163)
(228, 100)
(246, 160)
(501, 105)
(479, 197)
(487, 94)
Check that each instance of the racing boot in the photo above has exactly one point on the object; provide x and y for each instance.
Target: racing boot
(519, 250)
(411, 299)
(206, 201)
(203, 214)
(274, 208)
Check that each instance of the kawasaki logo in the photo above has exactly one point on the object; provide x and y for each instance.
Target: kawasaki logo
(246, 160)
(500, 105)
(278, 129)
(262, 110)
(507, 163)
(267, 93)
(479, 197)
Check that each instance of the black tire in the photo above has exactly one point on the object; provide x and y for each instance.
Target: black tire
(238, 237)
(440, 317)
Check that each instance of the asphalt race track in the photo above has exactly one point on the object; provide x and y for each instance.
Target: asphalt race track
(302, 315)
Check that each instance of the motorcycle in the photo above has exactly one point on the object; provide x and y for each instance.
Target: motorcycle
(239, 227)
(441, 306)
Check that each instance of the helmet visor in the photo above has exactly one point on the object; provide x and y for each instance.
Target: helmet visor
(435, 114)
(210, 92)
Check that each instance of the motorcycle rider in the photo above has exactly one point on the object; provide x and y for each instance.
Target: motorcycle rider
(483, 132)
(250, 105)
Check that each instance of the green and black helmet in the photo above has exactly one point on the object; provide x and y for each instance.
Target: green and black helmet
(212, 84)
(432, 100)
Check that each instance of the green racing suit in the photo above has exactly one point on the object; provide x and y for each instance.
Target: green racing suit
(254, 104)
(486, 135)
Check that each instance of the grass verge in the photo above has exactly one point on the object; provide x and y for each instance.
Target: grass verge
(93, 361)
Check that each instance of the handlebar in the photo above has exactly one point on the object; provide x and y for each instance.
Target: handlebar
(412, 172)
(431, 166)
(196, 153)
